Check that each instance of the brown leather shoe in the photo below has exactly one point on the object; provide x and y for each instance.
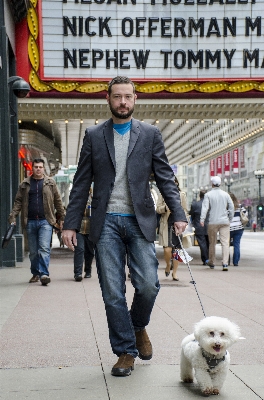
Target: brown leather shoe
(143, 345)
(124, 365)
(35, 278)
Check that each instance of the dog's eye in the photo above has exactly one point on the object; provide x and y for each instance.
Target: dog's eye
(222, 334)
(211, 333)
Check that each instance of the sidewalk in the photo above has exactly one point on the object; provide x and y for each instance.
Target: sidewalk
(54, 339)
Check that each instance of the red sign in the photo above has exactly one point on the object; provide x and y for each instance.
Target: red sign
(219, 163)
(227, 164)
(235, 161)
(212, 167)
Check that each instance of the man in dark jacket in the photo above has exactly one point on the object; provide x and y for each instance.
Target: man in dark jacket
(119, 155)
(200, 231)
(37, 198)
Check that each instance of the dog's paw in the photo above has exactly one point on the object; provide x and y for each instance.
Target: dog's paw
(215, 391)
(188, 380)
(207, 392)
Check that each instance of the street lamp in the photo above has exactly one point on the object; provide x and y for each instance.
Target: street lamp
(228, 183)
(259, 174)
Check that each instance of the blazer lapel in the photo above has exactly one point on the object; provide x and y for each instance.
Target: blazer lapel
(134, 134)
(109, 139)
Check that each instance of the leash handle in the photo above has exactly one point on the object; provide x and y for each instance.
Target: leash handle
(187, 262)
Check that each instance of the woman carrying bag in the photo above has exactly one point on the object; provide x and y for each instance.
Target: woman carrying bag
(165, 236)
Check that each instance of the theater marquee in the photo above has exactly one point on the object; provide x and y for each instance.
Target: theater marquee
(74, 43)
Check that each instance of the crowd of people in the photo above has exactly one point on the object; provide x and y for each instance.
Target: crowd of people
(116, 159)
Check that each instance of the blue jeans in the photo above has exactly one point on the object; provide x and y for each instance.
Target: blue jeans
(122, 241)
(236, 236)
(83, 251)
(39, 238)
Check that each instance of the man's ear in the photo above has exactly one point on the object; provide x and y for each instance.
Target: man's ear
(107, 98)
(135, 97)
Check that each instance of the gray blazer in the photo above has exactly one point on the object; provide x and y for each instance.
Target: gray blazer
(146, 154)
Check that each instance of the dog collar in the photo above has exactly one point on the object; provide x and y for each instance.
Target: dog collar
(212, 361)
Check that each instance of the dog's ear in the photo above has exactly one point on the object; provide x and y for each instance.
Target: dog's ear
(235, 332)
(196, 332)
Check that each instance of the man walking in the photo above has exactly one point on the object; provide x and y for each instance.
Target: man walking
(37, 198)
(85, 248)
(221, 212)
(200, 231)
(119, 155)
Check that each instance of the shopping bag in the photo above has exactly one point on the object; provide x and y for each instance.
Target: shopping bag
(189, 230)
(243, 217)
(8, 235)
(181, 255)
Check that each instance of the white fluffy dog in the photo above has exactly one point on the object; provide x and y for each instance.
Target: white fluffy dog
(205, 351)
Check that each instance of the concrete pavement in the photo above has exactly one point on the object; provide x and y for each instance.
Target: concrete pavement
(54, 339)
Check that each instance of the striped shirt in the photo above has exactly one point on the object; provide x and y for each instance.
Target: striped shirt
(236, 223)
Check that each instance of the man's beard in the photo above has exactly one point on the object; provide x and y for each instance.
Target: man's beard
(121, 116)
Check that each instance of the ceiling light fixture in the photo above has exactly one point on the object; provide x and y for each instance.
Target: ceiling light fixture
(35, 121)
(187, 121)
(217, 121)
(51, 121)
(66, 121)
(157, 121)
(96, 121)
(19, 121)
(172, 121)
(202, 121)
(81, 121)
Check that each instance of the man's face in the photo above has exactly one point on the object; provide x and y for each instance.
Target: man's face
(38, 170)
(121, 102)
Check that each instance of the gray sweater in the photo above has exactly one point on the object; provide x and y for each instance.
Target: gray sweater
(220, 207)
(120, 201)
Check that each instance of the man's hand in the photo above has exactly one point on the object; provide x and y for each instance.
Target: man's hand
(179, 227)
(202, 223)
(69, 238)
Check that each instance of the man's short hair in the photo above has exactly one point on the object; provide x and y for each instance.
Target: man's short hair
(118, 80)
(38, 160)
(202, 193)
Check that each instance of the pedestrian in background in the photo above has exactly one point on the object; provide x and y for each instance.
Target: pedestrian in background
(119, 156)
(254, 226)
(37, 198)
(221, 210)
(167, 238)
(200, 231)
(84, 251)
(236, 229)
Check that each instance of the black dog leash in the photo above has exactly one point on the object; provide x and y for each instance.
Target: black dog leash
(187, 262)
